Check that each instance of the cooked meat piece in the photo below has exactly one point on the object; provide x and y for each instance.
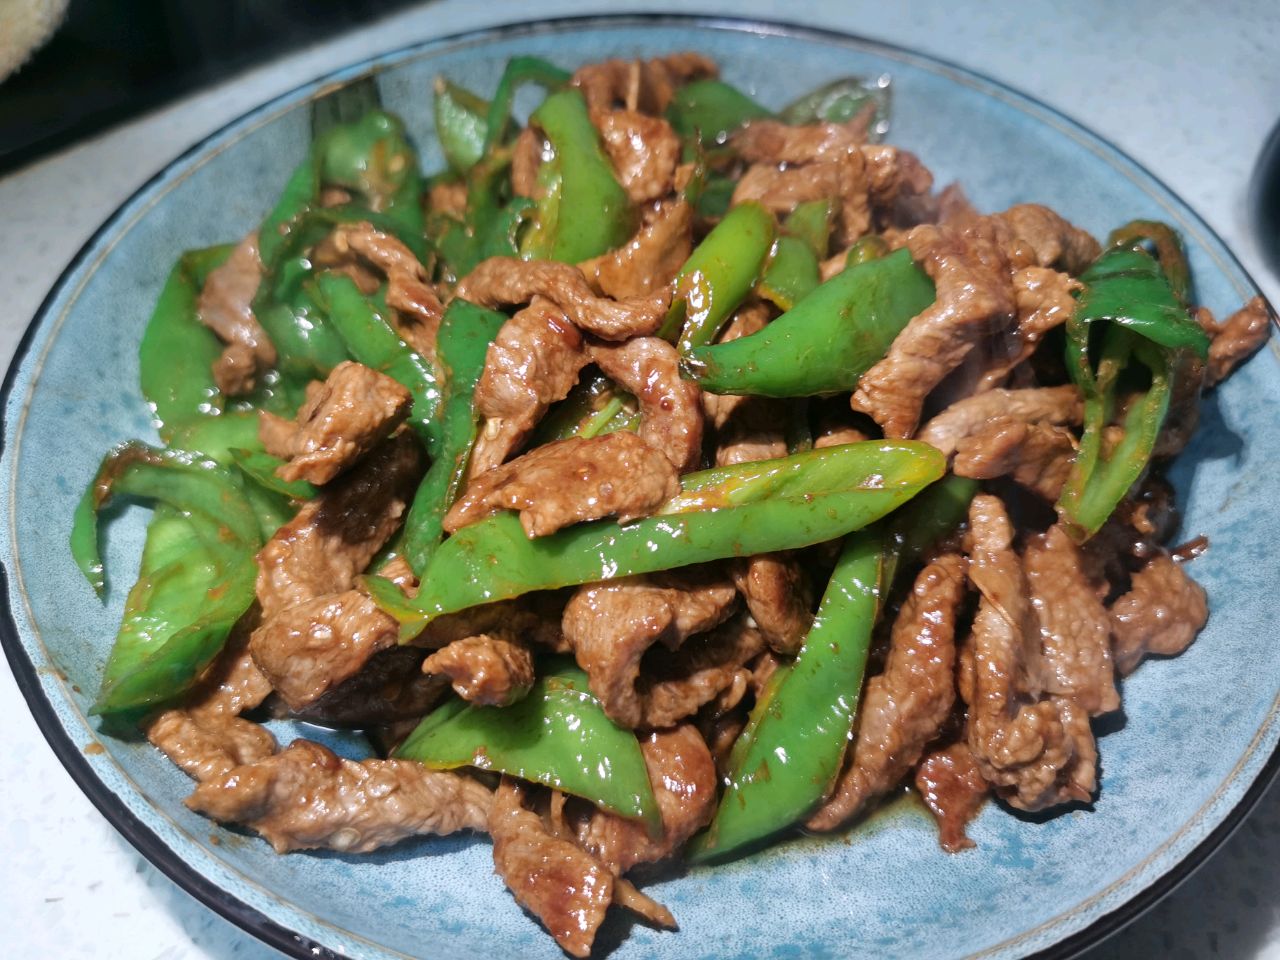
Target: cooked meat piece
(610, 625)
(377, 247)
(307, 796)
(1061, 406)
(569, 481)
(1161, 614)
(904, 707)
(225, 306)
(651, 259)
(493, 670)
(644, 85)
(747, 428)
(565, 887)
(1036, 752)
(1036, 455)
(503, 281)
(675, 685)
(1237, 339)
(533, 362)
(524, 617)
(774, 142)
(670, 407)
(1044, 299)
(416, 312)
(1054, 241)
(310, 648)
(974, 299)
(954, 205)
(952, 787)
(207, 738)
(1075, 630)
(333, 537)
(842, 178)
(526, 158)
(448, 197)
(355, 409)
(644, 151)
(778, 597)
(388, 689)
(683, 777)
(894, 175)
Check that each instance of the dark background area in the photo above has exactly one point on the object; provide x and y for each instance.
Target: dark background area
(112, 59)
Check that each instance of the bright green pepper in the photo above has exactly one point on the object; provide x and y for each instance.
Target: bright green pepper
(827, 342)
(584, 211)
(372, 341)
(557, 735)
(1127, 287)
(349, 104)
(1168, 247)
(811, 222)
(518, 72)
(462, 344)
(461, 121)
(261, 468)
(718, 275)
(791, 274)
(732, 511)
(865, 249)
(711, 109)
(216, 437)
(842, 100)
(177, 352)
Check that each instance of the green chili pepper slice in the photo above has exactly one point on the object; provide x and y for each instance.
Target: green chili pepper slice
(791, 274)
(842, 100)
(827, 341)
(811, 222)
(461, 123)
(261, 468)
(865, 249)
(1128, 287)
(741, 510)
(556, 735)
(711, 109)
(518, 72)
(1168, 247)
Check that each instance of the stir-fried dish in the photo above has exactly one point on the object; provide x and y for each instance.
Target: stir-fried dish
(659, 478)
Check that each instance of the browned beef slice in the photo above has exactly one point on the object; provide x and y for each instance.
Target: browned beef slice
(651, 259)
(569, 481)
(904, 707)
(953, 789)
(964, 418)
(1053, 241)
(1237, 338)
(503, 281)
(774, 142)
(644, 85)
(778, 597)
(840, 177)
(538, 623)
(225, 306)
(306, 796)
(1162, 613)
(610, 625)
(493, 670)
(1037, 455)
(644, 151)
(1044, 300)
(676, 684)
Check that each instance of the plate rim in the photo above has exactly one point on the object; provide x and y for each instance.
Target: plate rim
(255, 921)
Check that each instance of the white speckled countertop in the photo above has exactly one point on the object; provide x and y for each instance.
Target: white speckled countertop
(1189, 90)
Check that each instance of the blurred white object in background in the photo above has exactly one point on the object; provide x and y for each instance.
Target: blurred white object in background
(25, 25)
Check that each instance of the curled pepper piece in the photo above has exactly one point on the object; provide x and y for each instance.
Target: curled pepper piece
(840, 101)
(519, 72)
(791, 274)
(557, 735)
(461, 124)
(261, 467)
(827, 341)
(711, 109)
(741, 510)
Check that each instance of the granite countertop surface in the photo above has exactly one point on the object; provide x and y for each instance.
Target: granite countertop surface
(1188, 89)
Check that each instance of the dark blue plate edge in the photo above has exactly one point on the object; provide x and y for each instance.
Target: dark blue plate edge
(252, 920)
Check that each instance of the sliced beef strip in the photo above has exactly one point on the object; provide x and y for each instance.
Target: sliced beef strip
(1162, 613)
(842, 178)
(1075, 630)
(670, 406)
(1036, 751)
(355, 409)
(448, 196)
(683, 777)
(536, 622)
(566, 888)
(644, 85)
(650, 260)
(906, 705)
(774, 142)
(1053, 241)
(1237, 338)
(491, 669)
(1044, 301)
(895, 178)
(1061, 406)
(1036, 455)
(307, 796)
(504, 281)
(568, 481)
(207, 737)
(225, 306)
(610, 625)
(334, 536)
(974, 299)
(778, 596)
(416, 312)
(953, 789)
(674, 685)
(644, 151)
(533, 361)
(390, 688)
(309, 649)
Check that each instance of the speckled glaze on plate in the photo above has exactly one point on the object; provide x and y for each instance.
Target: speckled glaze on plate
(1195, 747)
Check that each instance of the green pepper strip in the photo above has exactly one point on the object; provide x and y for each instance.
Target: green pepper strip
(519, 71)
(557, 735)
(811, 222)
(827, 342)
(461, 122)
(1169, 251)
(584, 211)
(718, 275)
(261, 469)
(371, 339)
(741, 510)
(1145, 327)
(791, 274)
(462, 344)
(865, 249)
(711, 109)
(839, 101)
(788, 756)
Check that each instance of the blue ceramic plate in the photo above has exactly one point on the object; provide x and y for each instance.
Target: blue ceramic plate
(1199, 734)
